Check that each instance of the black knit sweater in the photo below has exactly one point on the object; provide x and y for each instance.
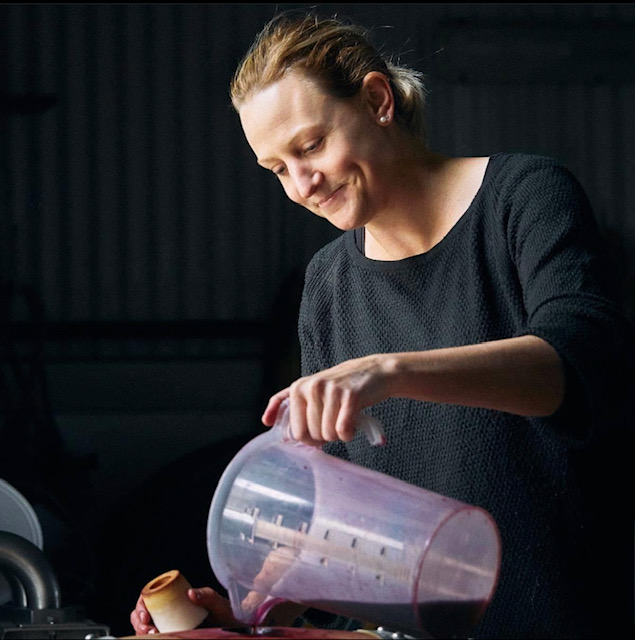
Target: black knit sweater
(523, 259)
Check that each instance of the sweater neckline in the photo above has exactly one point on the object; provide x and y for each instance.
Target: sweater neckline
(391, 265)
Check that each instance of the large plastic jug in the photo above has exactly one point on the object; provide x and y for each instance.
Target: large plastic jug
(289, 522)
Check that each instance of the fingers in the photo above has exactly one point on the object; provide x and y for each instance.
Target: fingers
(271, 411)
(140, 619)
(220, 612)
(331, 412)
(252, 601)
(345, 424)
(274, 567)
(312, 418)
(325, 407)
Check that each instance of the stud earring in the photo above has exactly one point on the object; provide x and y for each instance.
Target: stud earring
(384, 119)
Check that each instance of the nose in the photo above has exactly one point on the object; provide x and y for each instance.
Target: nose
(305, 181)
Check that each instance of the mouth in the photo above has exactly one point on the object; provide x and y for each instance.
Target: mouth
(326, 202)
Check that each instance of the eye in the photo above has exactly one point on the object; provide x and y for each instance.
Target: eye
(313, 146)
(278, 171)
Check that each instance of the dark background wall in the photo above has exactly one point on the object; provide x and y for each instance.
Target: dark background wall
(150, 270)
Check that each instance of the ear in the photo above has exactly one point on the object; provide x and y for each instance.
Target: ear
(378, 95)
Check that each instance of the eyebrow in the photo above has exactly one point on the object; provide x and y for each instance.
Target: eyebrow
(290, 143)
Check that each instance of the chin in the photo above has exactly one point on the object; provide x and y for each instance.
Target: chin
(343, 226)
(344, 222)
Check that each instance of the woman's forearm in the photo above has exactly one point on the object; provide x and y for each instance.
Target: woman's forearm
(522, 375)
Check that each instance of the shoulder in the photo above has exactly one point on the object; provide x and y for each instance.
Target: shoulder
(328, 257)
(518, 162)
(527, 186)
(511, 171)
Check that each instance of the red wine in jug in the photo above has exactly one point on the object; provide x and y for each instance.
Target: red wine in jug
(439, 619)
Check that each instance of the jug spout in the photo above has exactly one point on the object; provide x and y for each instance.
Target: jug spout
(250, 606)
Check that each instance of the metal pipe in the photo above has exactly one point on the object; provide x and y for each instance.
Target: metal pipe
(18, 594)
(29, 565)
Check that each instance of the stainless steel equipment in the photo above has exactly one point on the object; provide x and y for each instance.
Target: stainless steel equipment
(36, 609)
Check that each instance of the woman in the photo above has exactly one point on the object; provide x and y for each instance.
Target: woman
(466, 306)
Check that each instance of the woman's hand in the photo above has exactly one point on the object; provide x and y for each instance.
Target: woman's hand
(521, 375)
(220, 613)
(276, 564)
(325, 406)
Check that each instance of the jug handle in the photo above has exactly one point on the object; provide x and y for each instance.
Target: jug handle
(371, 427)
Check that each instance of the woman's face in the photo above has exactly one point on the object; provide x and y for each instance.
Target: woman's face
(326, 152)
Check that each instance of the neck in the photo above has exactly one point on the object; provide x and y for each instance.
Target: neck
(410, 224)
(428, 198)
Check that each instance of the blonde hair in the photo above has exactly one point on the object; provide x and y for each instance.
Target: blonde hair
(336, 54)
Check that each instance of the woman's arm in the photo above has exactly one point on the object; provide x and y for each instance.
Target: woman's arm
(521, 375)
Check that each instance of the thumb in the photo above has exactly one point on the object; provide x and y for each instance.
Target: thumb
(217, 605)
(271, 411)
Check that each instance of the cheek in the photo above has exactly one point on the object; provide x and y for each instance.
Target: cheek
(346, 158)
(290, 191)
(354, 158)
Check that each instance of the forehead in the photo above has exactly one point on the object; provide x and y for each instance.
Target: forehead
(278, 111)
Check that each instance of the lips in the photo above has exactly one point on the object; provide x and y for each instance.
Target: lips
(326, 201)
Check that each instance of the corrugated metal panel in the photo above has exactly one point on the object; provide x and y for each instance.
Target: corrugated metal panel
(136, 198)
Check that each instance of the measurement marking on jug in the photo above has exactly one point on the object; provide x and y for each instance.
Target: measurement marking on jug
(278, 523)
(362, 552)
(255, 512)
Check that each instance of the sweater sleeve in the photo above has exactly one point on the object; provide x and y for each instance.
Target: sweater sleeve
(567, 287)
